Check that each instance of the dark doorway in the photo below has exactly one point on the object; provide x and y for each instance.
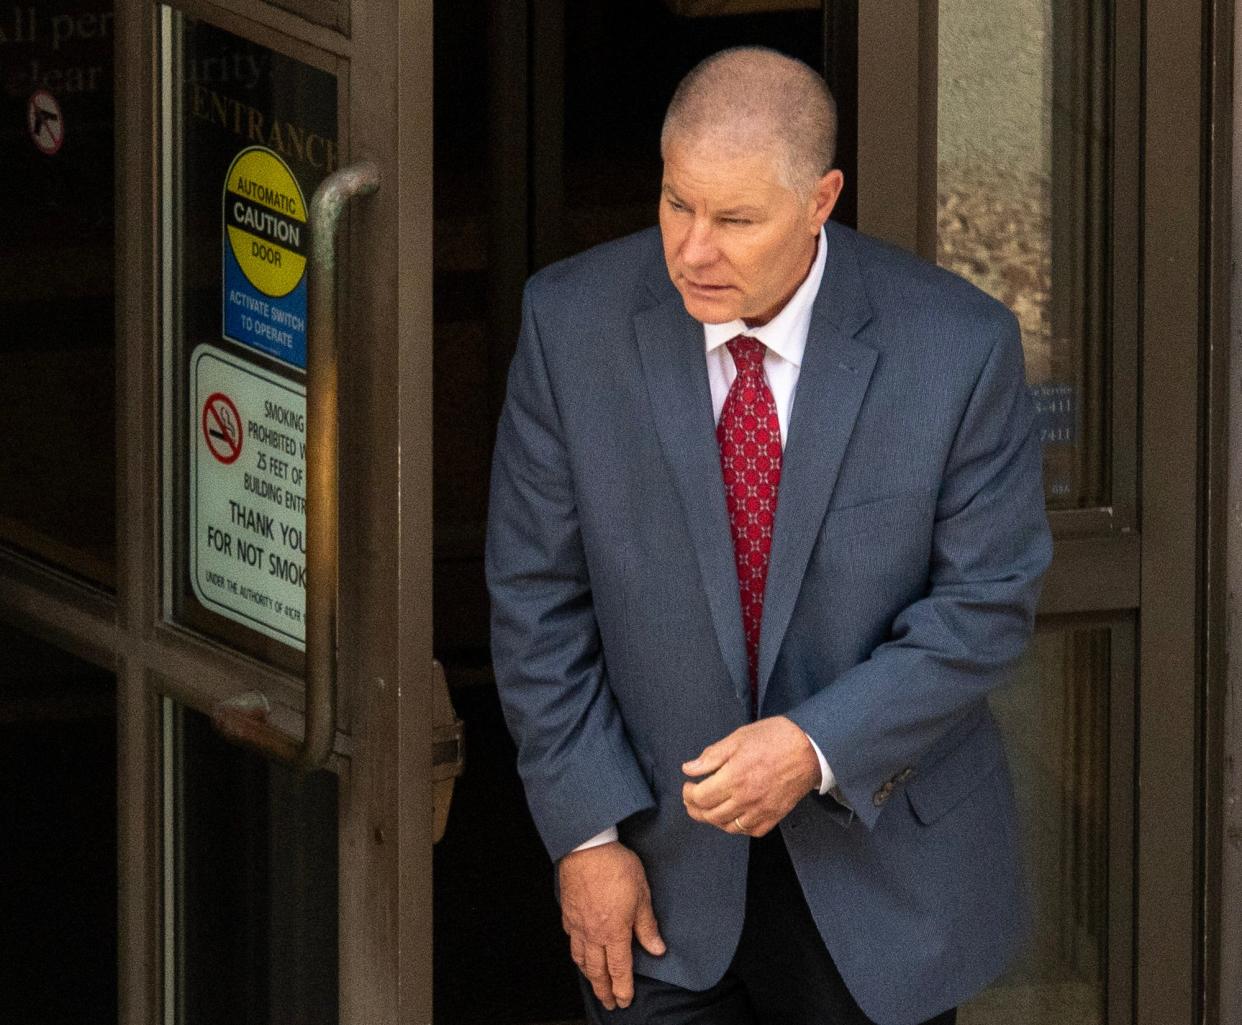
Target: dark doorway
(547, 130)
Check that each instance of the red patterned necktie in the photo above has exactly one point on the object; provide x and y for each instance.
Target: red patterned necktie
(749, 436)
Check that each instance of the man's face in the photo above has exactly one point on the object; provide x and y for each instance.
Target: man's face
(737, 241)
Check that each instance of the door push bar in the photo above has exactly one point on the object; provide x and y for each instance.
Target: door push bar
(244, 718)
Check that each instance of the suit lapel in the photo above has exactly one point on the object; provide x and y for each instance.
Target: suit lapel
(670, 343)
(836, 369)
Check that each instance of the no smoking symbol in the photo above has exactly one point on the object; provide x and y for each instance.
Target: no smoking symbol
(45, 122)
(222, 428)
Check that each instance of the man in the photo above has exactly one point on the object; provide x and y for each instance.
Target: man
(766, 526)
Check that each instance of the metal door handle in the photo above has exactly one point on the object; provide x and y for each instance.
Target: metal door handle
(244, 718)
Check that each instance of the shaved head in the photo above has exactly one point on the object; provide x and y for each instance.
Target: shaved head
(750, 99)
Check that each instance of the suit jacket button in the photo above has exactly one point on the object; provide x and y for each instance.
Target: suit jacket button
(880, 796)
(905, 774)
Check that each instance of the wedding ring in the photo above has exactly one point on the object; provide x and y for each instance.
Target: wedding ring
(738, 822)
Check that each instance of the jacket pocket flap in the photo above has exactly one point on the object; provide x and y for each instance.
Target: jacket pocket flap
(877, 514)
(944, 784)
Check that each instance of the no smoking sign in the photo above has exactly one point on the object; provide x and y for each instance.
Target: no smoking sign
(45, 122)
(222, 428)
(247, 493)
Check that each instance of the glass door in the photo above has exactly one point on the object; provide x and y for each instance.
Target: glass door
(219, 495)
(1024, 154)
(290, 455)
(1008, 149)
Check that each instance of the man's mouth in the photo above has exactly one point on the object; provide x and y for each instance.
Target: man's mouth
(706, 289)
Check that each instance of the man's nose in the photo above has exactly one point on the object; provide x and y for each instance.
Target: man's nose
(699, 248)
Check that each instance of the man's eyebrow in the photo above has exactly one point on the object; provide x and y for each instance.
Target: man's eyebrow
(742, 210)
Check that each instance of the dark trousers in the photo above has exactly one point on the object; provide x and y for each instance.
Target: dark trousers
(781, 974)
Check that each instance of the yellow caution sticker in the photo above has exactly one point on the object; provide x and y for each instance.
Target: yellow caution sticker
(265, 218)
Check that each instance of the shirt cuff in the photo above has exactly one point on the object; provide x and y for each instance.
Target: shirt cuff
(826, 779)
(607, 836)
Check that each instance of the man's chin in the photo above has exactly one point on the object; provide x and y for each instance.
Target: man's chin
(705, 311)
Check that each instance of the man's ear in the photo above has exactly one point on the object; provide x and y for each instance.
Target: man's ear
(824, 197)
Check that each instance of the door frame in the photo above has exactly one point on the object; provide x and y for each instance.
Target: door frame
(383, 750)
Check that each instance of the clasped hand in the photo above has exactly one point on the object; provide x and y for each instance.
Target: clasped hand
(754, 776)
(751, 780)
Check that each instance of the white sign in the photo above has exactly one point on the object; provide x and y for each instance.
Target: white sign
(248, 494)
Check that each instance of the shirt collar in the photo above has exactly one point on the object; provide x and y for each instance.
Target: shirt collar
(785, 334)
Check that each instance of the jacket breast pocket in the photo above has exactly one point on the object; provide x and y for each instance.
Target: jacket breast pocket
(878, 515)
(878, 551)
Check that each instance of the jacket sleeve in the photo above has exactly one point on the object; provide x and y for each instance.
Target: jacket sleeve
(574, 757)
(945, 651)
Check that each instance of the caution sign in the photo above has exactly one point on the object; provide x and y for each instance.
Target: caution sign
(266, 238)
(248, 494)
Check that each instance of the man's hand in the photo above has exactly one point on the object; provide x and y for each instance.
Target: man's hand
(605, 904)
(752, 778)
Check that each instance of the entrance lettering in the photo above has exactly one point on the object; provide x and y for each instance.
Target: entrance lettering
(290, 140)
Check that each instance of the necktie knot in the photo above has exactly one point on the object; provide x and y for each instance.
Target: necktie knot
(747, 353)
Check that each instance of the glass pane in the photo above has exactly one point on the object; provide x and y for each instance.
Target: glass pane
(1055, 717)
(58, 849)
(1023, 211)
(248, 133)
(251, 918)
(57, 294)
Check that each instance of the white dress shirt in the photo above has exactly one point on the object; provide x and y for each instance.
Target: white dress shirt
(785, 338)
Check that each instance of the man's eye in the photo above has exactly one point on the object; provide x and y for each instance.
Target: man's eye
(736, 220)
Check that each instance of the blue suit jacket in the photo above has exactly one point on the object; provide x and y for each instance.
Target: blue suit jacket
(909, 540)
